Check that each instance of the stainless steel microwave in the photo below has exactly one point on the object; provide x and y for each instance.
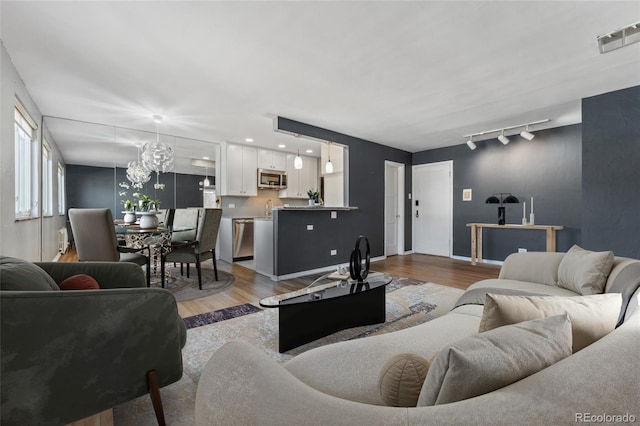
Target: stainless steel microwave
(272, 179)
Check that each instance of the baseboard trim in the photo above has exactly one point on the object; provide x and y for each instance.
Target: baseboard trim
(317, 270)
(489, 261)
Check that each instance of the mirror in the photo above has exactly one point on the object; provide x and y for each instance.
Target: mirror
(96, 158)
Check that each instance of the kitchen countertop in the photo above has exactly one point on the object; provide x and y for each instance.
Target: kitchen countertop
(315, 208)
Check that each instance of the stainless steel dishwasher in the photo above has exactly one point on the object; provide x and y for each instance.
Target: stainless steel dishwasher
(242, 239)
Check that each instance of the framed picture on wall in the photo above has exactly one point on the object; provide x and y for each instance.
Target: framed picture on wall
(466, 194)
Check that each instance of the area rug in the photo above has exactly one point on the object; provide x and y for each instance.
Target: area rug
(184, 288)
(409, 303)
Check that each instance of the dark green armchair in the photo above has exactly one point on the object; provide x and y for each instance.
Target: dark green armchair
(67, 355)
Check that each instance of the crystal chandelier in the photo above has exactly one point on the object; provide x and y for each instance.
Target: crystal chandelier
(136, 172)
(157, 157)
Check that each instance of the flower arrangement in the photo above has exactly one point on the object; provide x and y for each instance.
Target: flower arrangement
(143, 203)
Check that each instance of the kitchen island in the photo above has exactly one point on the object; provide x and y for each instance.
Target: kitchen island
(301, 240)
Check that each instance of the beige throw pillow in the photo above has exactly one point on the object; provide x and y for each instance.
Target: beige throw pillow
(488, 361)
(592, 317)
(584, 271)
(402, 378)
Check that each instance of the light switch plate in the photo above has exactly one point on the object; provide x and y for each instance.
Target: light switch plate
(309, 227)
(232, 206)
(334, 252)
(334, 215)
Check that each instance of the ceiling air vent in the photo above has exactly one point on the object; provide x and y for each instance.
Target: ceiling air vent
(619, 38)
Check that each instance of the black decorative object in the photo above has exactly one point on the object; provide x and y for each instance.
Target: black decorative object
(355, 263)
(505, 198)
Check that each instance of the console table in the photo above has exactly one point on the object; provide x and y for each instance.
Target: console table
(476, 236)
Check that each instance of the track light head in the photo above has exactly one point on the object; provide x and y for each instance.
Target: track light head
(471, 144)
(502, 138)
(528, 136)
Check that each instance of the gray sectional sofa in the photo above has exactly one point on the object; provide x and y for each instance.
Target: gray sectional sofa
(340, 383)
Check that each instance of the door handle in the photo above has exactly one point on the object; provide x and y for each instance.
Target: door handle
(417, 213)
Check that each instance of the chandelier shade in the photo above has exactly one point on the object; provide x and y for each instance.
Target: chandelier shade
(137, 174)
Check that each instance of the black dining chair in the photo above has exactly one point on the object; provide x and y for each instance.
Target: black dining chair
(95, 239)
(198, 250)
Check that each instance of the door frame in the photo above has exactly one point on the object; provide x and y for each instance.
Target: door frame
(400, 201)
(450, 206)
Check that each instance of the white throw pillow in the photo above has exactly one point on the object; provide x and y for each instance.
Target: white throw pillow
(592, 317)
(488, 361)
(584, 271)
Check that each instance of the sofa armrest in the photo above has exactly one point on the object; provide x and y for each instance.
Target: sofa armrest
(108, 274)
(69, 354)
(534, 267)
(241, 385)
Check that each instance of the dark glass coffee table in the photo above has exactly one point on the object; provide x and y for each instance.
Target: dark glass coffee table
(327, 306)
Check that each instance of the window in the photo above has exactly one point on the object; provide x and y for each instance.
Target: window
(47, 187)
(26, 152)
(61, 190)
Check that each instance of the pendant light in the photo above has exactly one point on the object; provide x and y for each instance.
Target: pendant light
(297, 162)
(328, 167)
(158, 157)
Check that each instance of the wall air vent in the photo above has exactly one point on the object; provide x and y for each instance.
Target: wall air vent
(619, 38)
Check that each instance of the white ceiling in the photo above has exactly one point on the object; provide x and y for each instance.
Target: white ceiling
(412, 75)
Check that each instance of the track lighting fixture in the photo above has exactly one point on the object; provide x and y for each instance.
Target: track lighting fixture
(619, 38)
(502, 138)
(471, 144)
(525, 134)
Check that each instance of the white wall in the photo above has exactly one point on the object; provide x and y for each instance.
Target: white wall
(23, 239)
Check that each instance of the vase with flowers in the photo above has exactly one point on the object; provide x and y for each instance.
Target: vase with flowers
(313, 197)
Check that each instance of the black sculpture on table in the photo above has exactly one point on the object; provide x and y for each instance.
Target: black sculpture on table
(356, 270)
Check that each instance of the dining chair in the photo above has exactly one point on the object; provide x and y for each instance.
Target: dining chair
(202, 248)
(95, 239)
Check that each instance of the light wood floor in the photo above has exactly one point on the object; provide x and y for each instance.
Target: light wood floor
(250, 287)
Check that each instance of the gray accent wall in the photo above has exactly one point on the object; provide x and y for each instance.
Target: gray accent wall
(547, 168)
(611, 172)
(92, 187)
(366, 180)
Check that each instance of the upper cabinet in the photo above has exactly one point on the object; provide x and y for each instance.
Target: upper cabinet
(274, 160)
(300, 181)
(239, 167)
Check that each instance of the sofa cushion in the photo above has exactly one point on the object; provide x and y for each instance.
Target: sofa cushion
(402, 378)
(20, 275)
(79, 282)
(592, 317)
(488, 361)
(533, 267)
(585, 271)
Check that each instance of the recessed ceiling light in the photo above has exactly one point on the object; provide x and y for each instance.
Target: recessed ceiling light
(157, 118)
(205, 158)
(248, 140)
(309, 151)
(282, 146)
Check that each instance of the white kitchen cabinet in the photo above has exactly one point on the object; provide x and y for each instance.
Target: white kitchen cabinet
(273, 160)
(300, 181)
(240, 171)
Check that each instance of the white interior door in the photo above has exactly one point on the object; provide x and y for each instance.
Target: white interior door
(394, 208)
(432, 208)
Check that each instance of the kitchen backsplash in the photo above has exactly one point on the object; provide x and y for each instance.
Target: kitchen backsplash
(255, 206)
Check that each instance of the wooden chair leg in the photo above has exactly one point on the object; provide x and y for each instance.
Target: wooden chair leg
(154, 393)
(215, 267)
(199, 271)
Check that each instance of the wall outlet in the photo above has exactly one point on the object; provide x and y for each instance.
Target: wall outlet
(232, 206)
(334, 252)
(309, 227)
(522, 250)
(334, 215)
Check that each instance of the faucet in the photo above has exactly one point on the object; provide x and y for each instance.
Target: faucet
(268, 207)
